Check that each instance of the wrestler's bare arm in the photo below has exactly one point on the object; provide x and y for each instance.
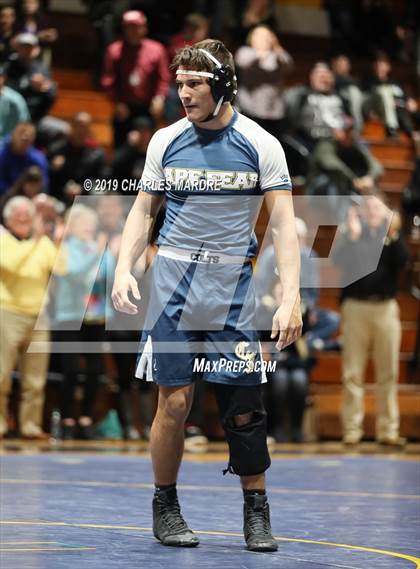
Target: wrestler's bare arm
(287, 321)
(135, 239)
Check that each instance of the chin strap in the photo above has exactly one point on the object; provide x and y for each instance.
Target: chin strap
(218, 106)
(216, 111)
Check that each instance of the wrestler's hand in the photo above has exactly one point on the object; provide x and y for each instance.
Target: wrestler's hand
(287, 324)
(125, 283)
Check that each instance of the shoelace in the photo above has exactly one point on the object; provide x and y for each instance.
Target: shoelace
(172, 517)
(258, 522)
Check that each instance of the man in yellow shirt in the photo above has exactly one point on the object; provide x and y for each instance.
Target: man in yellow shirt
(27, 259)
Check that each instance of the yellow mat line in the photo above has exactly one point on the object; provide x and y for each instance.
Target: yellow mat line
(415, 560)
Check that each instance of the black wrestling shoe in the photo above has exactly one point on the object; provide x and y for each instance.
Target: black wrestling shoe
(257, 527)
(169, 526)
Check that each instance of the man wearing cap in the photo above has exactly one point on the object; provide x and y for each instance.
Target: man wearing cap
(136, 75)
(13, 108)
(30, 77)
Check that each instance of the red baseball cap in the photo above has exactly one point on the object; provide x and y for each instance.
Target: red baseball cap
(134, 17)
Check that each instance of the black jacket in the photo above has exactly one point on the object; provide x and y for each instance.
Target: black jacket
(360, 257)
(19, 76)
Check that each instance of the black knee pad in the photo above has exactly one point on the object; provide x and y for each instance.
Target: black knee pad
(248, 451)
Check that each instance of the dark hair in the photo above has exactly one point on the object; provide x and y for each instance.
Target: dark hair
(31, 174)
(192, 58)
(142, 122)
(338, 54)
(320, 64)
(380, 56)
(9, 6)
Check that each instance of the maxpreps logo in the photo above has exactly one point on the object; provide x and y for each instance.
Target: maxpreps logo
(191, 180)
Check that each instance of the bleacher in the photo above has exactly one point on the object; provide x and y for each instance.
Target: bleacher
(76, 93)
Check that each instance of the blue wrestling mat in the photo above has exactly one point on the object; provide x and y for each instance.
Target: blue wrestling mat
(63, 510)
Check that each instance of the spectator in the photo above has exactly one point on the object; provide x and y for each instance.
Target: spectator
(49, 131)
(30, 77)
(348, 88)
(124, 328)
(195, 29)
(388, 100)
(136, 75)
(261, 66)
(80, 309)
(322, 324)
(13, 108)
(29, 184)
(32, 20)
(7, 30)
(316, 110)
(411, 197)
(17, 153)
(103, 14)
(130, 158)
(51, 211)
(255, 13)
(75, 158)
(342, 166)
(28, 258)
(370, 317)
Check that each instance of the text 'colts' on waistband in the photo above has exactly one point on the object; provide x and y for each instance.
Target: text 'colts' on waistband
(201, 256)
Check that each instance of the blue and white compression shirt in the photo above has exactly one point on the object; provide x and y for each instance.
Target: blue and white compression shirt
(213, 181)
